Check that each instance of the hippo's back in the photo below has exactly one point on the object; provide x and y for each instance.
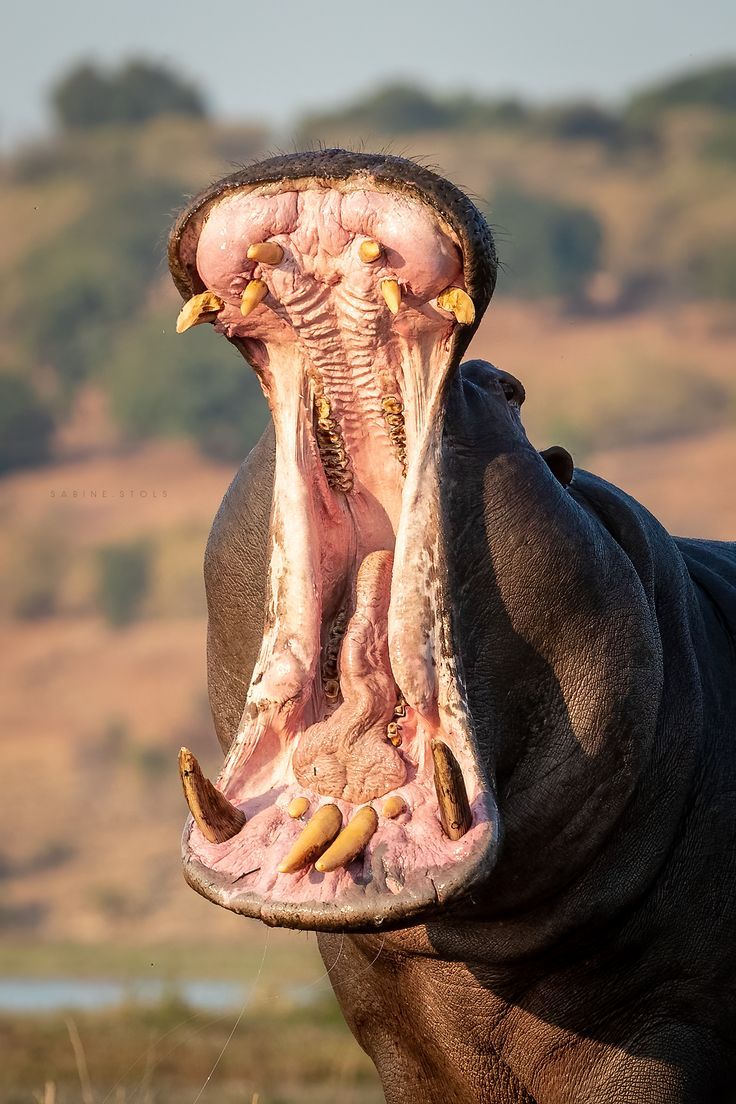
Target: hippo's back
(712, 567)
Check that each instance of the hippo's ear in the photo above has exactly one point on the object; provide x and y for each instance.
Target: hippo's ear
(560, 463)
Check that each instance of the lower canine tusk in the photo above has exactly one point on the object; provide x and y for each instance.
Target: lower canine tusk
(217, 818)
(350, 842)
(457, 301)
(254, 293)
(452, 797)
(391, 292)
(200, 308)
(314, 838)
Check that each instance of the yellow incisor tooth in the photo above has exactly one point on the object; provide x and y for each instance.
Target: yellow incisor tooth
(267, 252)
(217, 818)
(452, 797)
(200, 308)
(459, 302)
(254, 293)
(393, 806)
(369, 251)
(391, 292)
(350, 842)
(297, 807)
(314, 838)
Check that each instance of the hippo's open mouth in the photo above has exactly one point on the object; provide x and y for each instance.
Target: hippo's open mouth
(352, 795)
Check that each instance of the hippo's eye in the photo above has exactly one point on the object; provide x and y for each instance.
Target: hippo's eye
(513, 390)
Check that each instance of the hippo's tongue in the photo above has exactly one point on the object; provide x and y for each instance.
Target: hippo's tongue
(348, 754)
(345, 299)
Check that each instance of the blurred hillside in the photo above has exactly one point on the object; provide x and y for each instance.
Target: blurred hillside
(616, 306)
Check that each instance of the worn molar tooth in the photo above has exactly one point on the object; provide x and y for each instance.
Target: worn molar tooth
(393, 807)
(315, 837)
(200, 308)
(297, 807)
(369, 251)
(217, 818)
(391, 292)
(351, 841)
(452, 797)
(331, 689)
(393, 733)
(254, 293)
(457, 301)
(266, 252)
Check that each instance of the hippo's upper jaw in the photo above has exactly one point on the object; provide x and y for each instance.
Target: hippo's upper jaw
(352, 284)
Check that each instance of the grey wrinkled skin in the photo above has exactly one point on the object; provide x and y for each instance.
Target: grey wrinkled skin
(597, 963)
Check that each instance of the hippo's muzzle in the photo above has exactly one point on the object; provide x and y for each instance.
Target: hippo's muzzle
(353, 794)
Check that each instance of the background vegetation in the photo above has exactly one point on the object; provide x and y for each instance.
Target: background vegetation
(616, 306)
(90, 301)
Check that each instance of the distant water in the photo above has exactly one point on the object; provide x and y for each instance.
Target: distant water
(89, 994)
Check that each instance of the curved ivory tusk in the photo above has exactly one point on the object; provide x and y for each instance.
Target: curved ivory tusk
(391, 292)
(452, 797)
(217, 818)
(457, 301)
(200, 308)
(267, 252)
(254, 293)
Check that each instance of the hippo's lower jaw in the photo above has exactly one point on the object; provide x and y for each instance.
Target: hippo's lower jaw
(347, 298)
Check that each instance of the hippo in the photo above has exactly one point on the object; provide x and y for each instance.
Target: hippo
(477, 705)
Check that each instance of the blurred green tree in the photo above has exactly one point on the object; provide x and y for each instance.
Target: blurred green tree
(76, 292)
(551, 247)
(122, 581)
(402, 108)
(193, 385)
(396, 108)
(711, 86)
(583, 121)
(140, 90)
(711, 271)
(26, 426)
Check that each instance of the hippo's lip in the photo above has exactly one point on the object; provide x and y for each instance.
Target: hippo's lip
(352, 307)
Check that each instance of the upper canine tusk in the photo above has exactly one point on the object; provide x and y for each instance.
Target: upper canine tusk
(459, 302)
(252, 296)
(391, 292)
(267, 252)
(452, 797)
(314, 838)
(350, 842)
(369, 251)
(217, 818)
(200, 308)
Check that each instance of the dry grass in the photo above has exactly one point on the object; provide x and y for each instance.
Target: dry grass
(168, 1054)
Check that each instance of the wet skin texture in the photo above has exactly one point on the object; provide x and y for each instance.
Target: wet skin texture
(596, 962)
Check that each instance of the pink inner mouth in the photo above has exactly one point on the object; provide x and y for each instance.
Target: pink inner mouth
(356, 674)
